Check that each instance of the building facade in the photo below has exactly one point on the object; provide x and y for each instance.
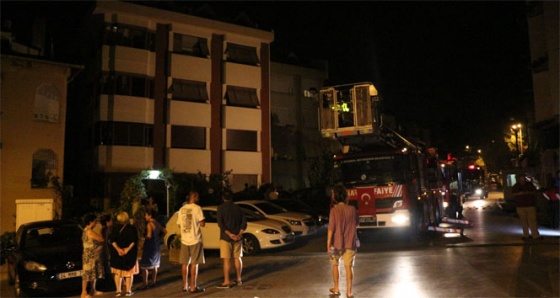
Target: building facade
(296, 138)
(543, 24)
(180, 92)
(32, 129)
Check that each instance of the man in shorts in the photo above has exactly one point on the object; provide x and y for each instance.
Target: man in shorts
(190, 220)
(232, 224)
(342, 238)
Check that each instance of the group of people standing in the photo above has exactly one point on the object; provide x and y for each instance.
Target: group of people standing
(114, 250)
(116, 246)
(232, 224)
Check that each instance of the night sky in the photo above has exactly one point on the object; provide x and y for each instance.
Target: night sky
(460, 69)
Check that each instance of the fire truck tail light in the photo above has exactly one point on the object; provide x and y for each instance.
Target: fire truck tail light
(398, 204)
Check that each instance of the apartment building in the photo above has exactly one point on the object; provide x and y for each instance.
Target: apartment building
(543, 23)
(180, 92)
(296, 137)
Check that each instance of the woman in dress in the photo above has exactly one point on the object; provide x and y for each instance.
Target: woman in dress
(124, 253)
(92, 267)
(152, 250)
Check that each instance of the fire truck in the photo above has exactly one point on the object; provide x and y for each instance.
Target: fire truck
(392, 181)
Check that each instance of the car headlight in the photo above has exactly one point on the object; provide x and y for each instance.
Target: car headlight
(478, 191)
(445, 204)
(294, 222)
(34, 266)
(270, 231)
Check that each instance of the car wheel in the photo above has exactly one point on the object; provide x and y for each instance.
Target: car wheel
(250, 245)
(170, 240)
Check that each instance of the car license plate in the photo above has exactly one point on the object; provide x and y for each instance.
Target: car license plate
(70, 274)
(365, 219)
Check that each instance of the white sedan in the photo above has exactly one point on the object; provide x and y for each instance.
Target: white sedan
(302, 224)
(261, 233)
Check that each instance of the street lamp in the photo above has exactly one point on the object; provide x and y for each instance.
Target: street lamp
(516, 128)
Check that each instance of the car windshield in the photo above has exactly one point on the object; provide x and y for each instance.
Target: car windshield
(47, 236)
(252, 216)
(378, 170)
(270, 208)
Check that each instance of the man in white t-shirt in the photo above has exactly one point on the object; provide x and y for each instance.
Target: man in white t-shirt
(190, 220)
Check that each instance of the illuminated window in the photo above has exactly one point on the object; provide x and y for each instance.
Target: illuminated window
(190, 45)
(44, 167)
(188, 137)
(242, 97)
(242, 54)
(189, 90)
(241, 140)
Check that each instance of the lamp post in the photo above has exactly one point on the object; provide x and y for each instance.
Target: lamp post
(516, 128)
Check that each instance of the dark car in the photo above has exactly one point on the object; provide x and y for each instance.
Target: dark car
(299, 206)
(46, 258)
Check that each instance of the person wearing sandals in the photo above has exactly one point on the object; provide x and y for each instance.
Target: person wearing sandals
(190, 220)
(91, 258)
(342, 238)
(151, 254)
(232, 224)
(124, 253)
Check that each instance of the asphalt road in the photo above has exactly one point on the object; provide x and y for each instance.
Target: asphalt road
(488, 260)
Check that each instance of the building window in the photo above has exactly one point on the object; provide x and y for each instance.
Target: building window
(47, 103)
(129, 36)
(124, 134)
(188, 137)
(242, 54)
(189, 90)
(44, 167)
(242, 97)
(127, 84)
(190, 45)
(241, 140)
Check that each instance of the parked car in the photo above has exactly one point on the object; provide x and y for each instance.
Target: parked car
(46, 258)
(261, 233)
(299, 206)
(302, 224)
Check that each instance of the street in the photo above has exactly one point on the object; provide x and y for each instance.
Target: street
(489, 260)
